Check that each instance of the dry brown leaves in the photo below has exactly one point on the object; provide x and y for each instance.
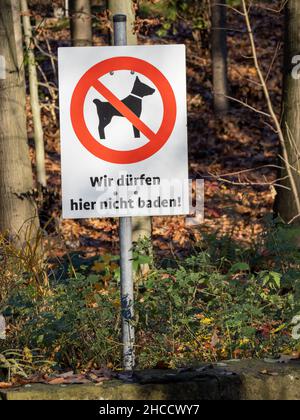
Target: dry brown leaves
(67, 378)
(239, 142)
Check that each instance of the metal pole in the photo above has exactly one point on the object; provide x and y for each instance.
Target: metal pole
(127, 297)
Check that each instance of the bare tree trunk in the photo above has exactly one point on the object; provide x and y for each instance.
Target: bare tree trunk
(286, 205)
(125, 7)
(34, 97)
(81, 23)
(219, 55)
(17, 208)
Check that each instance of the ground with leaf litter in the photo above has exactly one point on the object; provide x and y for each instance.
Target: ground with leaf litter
(192, 303)
(235, 155)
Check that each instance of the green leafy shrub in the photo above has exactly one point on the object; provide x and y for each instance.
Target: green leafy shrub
(195, 312)
(22, 363)
(187, 13)
(22, 265)
(224, 301)
(76, 324)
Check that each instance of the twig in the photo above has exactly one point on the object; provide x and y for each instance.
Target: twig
(246, 78)
(270, 106)
(293, 219)
(52, 93)
(51, 59)
(231, 8)
(50, 86)
(241, 31)
(251, 170)
(249, 106)
(248, 183)
(276, 10)
(271, 127)
(278, 47)
(45, 53)
(287, 163)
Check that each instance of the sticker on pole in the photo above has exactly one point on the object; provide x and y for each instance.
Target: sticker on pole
(123, 124)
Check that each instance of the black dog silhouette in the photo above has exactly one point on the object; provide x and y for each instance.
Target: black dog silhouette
(106, 111)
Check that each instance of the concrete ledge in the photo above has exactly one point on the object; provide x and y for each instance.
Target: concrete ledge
(267, 381)
(245, 380)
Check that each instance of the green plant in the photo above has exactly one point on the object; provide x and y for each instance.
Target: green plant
(22, 265)
(76, 324)
(176, 12)
(203, 314)
(223, 301)
(22, 363)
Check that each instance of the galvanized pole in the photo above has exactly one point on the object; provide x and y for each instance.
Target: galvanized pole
(127, 298)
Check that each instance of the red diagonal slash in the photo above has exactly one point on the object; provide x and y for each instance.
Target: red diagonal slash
(124, 110)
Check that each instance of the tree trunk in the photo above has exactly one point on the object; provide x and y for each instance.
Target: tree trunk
(285, 202)
(34, 97)
(17, 208)
(124, 7)
(81, 23)
(219, 55)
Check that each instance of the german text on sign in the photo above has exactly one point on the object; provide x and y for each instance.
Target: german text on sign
(123, 131)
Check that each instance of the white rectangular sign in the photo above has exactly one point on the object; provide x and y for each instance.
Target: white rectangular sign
(123, 121)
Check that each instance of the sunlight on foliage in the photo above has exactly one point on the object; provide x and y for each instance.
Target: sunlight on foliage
(222, 302)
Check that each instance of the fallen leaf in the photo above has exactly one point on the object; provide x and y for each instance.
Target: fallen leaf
(4, 385)
(67, 374)
(103, 372)
(94, 378)
(284, 358)
(56, 381)
(162, 365)
(76, 379)
(266, 372)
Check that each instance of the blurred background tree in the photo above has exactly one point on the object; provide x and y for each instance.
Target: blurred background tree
(286, 204)
(81, 23)
(17, 208)
(219, 55)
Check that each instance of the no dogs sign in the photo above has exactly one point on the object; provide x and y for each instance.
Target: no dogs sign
(123, 131)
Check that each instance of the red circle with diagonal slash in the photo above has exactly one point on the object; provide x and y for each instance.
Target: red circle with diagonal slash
(91, 79)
